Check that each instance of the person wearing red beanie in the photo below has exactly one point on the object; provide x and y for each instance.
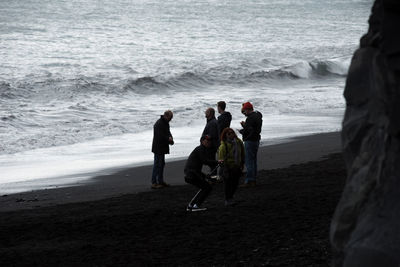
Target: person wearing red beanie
(247, 106)
(251, 133)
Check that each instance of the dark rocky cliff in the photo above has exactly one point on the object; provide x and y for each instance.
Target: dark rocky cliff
(365, 229)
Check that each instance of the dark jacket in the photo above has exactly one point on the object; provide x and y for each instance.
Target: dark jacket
(252, 128)
(198, 158)
(224, 121)
(161, 137)
(212, 130)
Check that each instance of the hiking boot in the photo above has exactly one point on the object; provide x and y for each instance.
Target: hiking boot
(195, 208)
(216, 178)
(248, 184)
(156, 186)
(164, 184)
(230, 203)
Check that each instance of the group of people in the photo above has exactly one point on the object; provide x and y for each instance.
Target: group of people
(217, 140)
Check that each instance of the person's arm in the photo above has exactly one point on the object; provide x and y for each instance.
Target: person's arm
(243, 130)
(215, 132)
(170, 138)
(203, 155)
(205, 131)
(249, 127)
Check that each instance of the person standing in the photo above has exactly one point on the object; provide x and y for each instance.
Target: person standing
(224, 121)
(231, 152)
(212, 130)
(195, 176)
(251, 133)
(225, 118)
(162, 139)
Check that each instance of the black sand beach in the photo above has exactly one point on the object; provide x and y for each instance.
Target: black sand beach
(283, 221)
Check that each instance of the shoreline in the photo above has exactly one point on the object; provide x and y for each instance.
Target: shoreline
(137, 179)
(283, 221)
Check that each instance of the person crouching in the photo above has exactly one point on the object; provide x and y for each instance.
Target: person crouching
(195, 176)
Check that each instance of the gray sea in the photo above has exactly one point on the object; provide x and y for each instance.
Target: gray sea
(83, 81)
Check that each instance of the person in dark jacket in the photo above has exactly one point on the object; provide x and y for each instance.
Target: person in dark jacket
(251, 136)
(162, 139)
(212, 130)
(195, 176)
(224, 120)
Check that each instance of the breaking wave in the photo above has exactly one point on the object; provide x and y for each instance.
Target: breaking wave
(222, 75)
(318, 69)
(305, 70)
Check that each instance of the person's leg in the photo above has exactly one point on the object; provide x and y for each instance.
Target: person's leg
(156, 169)
(205, 191)
(228, 184)
(161, 164)
(256, 146)
(205, 188)
(236, 173)
(250, 150)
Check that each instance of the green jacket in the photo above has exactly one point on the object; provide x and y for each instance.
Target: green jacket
(225, 153)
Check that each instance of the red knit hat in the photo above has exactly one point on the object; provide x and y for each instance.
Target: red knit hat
(247, 105)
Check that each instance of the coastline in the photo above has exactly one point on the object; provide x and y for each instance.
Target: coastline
(137, 179)
(283, 221)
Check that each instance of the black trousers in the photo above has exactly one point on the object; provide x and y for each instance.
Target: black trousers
(198, 179)
(231, 180)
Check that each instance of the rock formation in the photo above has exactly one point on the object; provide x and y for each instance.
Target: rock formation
(365, 229)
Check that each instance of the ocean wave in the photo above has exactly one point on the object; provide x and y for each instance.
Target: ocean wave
(330, 67)
(8, 118)
(146, 82)
(5, 90)
(190, 79)
(243, 74)
(150, 85)
(78, 107)
(305, 70)
(316, 69)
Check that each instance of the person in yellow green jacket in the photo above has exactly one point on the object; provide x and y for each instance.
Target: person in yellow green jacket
(231, 152)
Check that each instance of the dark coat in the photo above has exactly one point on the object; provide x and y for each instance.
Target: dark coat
(224, 121)
(161, 137)
(252, 128)
(212, 129)
(198, 158)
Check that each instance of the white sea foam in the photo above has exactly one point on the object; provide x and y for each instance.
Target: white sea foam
(71, 164)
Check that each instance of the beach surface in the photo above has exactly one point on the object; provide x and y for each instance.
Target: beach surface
(138, 179)
(113, 221)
